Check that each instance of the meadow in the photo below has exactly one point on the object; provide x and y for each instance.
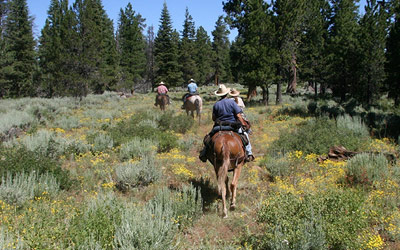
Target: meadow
(117, 173)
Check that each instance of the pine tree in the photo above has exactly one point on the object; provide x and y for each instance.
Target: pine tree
(166, 51)
(221, 47)
(51, 51)
(18, 62)
(343, 44)
(312, 49)
(203, 56)
(372, 40)
(393, 58)
(289, 15)
(150, 60)
(96, 50)
(3, 14)
(132, 45)
(253, 53)
(187, 48)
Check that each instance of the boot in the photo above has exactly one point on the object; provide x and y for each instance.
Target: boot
(250, 158)
(203, 155)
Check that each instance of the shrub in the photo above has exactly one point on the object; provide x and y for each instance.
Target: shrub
(17, 189)
(9, 241)
(136, 148)
(96, 221)
(354, 124)
(154, 226)
(142, 173)
(312, 222)
(102, 142)
(367, 168)
(127, 130)
(277, 165)
(317, 136)
(48, 144)
(15, 119)
(17, 160)
(180, 123)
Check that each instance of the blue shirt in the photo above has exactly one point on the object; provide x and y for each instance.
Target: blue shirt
(192, 87)
(226, 110)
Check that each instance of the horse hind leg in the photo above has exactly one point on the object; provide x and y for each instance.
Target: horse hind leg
(223, 180)
(235, 180)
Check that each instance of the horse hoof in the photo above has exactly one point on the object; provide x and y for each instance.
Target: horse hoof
(233, 207)
(225, 216)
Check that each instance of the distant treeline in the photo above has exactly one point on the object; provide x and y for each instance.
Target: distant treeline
(324, 43)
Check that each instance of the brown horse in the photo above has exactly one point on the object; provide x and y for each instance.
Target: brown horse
(162, 101)
(227, 154)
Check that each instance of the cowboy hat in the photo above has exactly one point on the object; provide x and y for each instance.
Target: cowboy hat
(234, 92)
(222, 90)
(161, 83)
(191, 80)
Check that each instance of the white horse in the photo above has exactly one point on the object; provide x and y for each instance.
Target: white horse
(194, 103)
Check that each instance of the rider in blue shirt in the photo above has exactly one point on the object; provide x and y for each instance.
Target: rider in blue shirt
(192, 89)
(225, 113)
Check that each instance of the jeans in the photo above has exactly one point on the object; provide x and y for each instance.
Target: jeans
(248, 146)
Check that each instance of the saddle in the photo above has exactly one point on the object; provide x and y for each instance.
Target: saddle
(208, 138)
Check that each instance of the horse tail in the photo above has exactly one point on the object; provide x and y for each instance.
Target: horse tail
(223, 171)
(197, 104)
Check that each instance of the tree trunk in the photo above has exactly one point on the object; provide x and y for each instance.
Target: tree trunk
(315, 88)
(265, 95)
(291, 88)
(216, 79)
(278, 93)
(252, 92)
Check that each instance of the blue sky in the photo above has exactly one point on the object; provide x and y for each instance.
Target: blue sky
(204, 12)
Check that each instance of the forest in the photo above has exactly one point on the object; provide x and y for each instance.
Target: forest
(327, 44)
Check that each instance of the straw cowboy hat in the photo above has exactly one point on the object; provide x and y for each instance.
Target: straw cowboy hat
(161, 83)
(191, 80)
(234, 92)
(222, 90)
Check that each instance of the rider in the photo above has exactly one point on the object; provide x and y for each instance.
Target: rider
(162, 90)
(225, 113)
(239, 101)
(192, 89)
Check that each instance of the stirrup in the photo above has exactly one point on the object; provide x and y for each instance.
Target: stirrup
(250, 158)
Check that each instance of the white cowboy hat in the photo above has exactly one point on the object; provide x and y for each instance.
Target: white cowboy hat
(161, 83)
(222, 90)
(234, 92)
(191, 80)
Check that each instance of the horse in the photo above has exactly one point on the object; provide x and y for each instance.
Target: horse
(162, 101)
(194, 103)
(227, 154)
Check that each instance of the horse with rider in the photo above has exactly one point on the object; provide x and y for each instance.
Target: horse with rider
(227, 146)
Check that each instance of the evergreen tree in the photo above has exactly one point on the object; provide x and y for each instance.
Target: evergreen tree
(166, 51)
(372, 39)
(312, 49)
(221, 47)
(343, 59)
(254, 55)
(187, 48)
(96, 47)
(150, 60)
(132, 45)
(203, 56)
(3, 14)
(51, 49)
(289, 15)
(393, 58)
(18, 61)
